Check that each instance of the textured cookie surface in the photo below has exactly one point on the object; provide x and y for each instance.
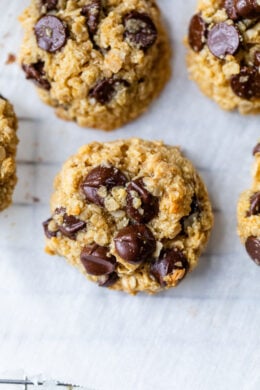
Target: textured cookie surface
(249, 213)
(8, 144)
(98, 62)
(131, 215)
(224, 52)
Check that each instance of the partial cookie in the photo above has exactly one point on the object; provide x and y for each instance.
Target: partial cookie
(98, 62)
(224, 54)
(8, 145)
(249, 213)
(132, 215)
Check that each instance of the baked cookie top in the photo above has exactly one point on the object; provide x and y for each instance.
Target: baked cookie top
(224, 38)
(8, 145)
(98, 62)
(132, 215)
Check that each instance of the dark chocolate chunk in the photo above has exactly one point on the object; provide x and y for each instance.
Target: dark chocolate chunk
(169, 261)
(253, 248)
(92, 11)
(150, 203)
(248, 9)
(105, 90)
(51, 33)
(257, 58)
(231, 9)
(36, 73)
(71, 225)
(48, 233)
(109, 280)
(246, 84)
(256, 149)
(135, 244)
(100, 176)
(195, 211)
(254, 205)
(197, 33)
(96, 260)
(223, 39)
(50, 4)
(140, 30)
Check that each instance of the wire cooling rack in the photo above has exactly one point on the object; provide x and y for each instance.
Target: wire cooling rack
(26, 384)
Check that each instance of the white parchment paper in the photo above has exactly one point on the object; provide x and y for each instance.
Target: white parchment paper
(203, 335)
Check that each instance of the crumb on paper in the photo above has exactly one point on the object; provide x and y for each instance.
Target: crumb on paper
(10, 59)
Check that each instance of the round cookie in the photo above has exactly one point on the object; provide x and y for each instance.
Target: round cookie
(98, 62)
(8, 145)
(132, 215)
(248, 212)
(224, 53)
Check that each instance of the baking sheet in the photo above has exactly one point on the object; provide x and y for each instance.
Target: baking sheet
(203, 335)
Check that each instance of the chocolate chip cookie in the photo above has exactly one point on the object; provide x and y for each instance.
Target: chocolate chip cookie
(98, 62)
(132, 215)
(224, 53)
(249, 213)
(8, 145)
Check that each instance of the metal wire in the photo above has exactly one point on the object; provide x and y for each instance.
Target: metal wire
(26, 383)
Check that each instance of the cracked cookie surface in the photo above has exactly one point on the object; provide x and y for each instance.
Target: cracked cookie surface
(8, 145)
(248, 212)
(98, 62)
(132, 215)
(224, 53)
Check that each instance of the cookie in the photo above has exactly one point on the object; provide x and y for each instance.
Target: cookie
(98, 62)
(248, 212)
(224, 53)
(8, 145)
(132, 215)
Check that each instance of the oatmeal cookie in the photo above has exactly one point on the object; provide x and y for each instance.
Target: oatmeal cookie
(249, 213)
(224, 53)
(132, 215)
(8, 145)
(98, 62)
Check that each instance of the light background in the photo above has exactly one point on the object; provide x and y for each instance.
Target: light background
(203, 335)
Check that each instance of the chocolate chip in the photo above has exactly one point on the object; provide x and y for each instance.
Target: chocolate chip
(257, 58)
(49, 4)
(103, 91)
(223, 39)
(246, 84)
(254, 205)
(169, 261)
(36, 73)
(249, 9)
(49, 233)
(229, 5)
(197, 33)
(71, 225)
(195, 211)
(51, 33)
(253, 248)
(140, 30)
(135, 244)
(100, 176)
(108, 280)
(149, 203)
(256, 149)
(96, 260)
(92, 11)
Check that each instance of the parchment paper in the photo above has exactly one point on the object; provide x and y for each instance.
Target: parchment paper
(204, 334)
